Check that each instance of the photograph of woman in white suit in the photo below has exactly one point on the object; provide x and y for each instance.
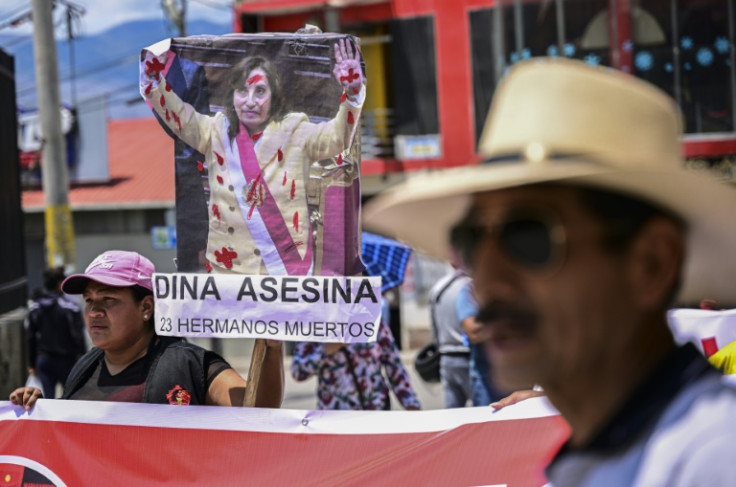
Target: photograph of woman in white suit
(258, 156)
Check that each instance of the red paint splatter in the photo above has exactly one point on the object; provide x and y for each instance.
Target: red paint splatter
(216, 210)
(351, 119)
(343, 97)
(220, 159)
(295, 221)
(257, 136)
(283, 183)
(280, 155)
(293, 189)
(226, 256)
(250, 212)
(294, 245)
(339, 159)
(220, 180)
(200, 166)
(168, 116)
(254, 79)
(352, 76)
(149, 88)
(208, 266)
(155, 67)
(167, 86)
(177, 120)
(162, 101)
(356, 90)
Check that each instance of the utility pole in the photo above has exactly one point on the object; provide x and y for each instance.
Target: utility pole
(54, 170)
(176, 11)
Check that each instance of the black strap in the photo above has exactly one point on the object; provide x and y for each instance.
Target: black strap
(437, 300)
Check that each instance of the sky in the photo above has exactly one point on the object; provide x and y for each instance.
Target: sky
(117, 28)
(100, 15)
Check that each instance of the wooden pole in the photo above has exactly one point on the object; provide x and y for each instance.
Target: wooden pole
(254, 372)
(55, 174)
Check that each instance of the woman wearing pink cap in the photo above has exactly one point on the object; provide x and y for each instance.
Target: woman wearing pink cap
(130, 363)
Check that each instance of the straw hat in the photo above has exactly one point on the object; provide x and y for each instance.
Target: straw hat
(562, 120)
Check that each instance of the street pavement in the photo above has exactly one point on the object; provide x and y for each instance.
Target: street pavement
(302, 395)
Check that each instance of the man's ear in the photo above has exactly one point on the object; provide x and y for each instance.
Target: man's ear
(657, 255)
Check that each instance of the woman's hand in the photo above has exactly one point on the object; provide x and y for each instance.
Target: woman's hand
(26, 397)
(347, 68)
(516, 397)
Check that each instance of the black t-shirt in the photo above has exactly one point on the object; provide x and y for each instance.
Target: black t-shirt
(129, 384)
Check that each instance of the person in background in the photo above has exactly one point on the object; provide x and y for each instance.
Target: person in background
(351, 376)
(54, 333)
(581, 229)
(130, 363)
(451, 341)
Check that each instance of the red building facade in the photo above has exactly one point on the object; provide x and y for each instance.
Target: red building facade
(432, 65)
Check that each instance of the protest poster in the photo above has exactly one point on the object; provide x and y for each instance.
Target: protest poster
(267, 155)
(292, 308)
(122, 444)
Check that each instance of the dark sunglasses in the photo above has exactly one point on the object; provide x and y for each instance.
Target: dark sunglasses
(533, 239)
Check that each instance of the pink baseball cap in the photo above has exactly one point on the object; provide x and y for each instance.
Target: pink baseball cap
(115, 268)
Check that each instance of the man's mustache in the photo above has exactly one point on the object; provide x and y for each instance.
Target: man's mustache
(499, 311)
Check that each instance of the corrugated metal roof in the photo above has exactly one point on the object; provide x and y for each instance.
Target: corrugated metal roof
(141, 158)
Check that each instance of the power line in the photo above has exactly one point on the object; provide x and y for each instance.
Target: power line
(73, 16)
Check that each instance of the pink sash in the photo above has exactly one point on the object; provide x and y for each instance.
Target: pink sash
(270, 212)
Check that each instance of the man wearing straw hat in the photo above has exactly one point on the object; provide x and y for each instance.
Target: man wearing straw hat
(582, 228)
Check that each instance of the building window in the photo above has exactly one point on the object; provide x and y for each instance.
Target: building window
(685, 47)
(414, 76)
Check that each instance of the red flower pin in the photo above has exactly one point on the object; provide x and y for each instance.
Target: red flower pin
(178, 396)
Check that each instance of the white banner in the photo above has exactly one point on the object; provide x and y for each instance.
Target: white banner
(292, 308)
(207, 445)
(709, 330)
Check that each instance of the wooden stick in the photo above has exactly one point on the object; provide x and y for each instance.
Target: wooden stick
(254, 372)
